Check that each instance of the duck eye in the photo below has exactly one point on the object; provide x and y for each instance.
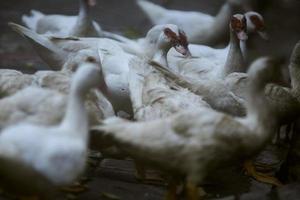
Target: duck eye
(168, 32)
(91, 59)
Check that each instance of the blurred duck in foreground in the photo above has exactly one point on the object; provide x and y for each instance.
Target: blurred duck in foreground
(194, 143)
(35, 157)
(285, 101)
(56, 51)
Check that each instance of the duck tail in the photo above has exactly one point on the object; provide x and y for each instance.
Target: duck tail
(153, 11)
(171, 76)
(42, 44)
(31, 20)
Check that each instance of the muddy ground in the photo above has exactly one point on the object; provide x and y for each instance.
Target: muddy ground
(115, 179)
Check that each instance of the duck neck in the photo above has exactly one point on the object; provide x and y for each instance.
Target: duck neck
(76, 118)
(83, 21)
(161, 57)
(235, 60)
(259, 117)
(220, 24)
(243, 46)
(294, 68)
(156, 52)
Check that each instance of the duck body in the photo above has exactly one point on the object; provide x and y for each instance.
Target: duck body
(214, 91)
(216, 63)
(201, 28)
(153, 97)
(195, 143)
(181, 131)
(63, 25)
(284, 100)
(57, 51)
(57, 153)
(46, 108)
(115, 64)
(52, 151)
(12, 80)
(49, 89)
(208, 62)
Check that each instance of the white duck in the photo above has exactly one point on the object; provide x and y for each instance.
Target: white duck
(12, 81)
(215, 92)
(285, 101)
(33, 105)
(154, 97)
(62, 25)
(40, 150)
(211, 62)
(114, 59)
(49, 89)
(194, 144)
(201, 28)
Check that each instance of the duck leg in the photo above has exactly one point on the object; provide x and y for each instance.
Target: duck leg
(142, 175)
(171, 193)
(289, 132)
(193, 192)
(277, 137)
(74, 188)
(261, 177)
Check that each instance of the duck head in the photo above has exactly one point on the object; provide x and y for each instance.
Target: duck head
(256, 24)
(84, 55)
(87, 76)
(238, 24)
(168, 36)
(178, 40)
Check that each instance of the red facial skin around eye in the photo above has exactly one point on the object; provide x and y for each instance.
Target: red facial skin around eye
(176, 40)
(238, 25)
(183, 39)
(259, 24)
(170, 34)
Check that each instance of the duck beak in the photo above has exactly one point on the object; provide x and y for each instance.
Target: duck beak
(242, 35)
(183, 50)
(264, 35)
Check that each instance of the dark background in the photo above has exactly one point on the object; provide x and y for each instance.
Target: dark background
(123, 16)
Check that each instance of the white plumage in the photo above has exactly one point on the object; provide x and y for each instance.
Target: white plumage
(57, 51)
(57, 153)
(62, 25)
(194, 143)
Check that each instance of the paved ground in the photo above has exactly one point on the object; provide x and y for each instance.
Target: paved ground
(115, 179)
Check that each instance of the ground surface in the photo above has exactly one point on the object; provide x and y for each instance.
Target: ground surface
(115, 179)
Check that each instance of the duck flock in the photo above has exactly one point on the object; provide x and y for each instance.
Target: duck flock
(171, 100)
